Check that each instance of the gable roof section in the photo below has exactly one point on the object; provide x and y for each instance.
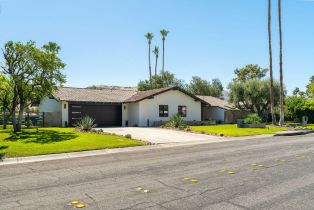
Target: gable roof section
(106, 95)
(216, 102)
(113, 95)
(141, 95)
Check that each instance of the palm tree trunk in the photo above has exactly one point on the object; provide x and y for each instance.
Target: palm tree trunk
(271, 88)
(163, 58)
(150, 67)
(280, 67)
(156, 71)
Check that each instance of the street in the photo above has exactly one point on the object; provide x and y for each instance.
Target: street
(270, 173)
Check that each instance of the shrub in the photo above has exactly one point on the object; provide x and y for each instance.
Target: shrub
(86, 124)
(176, 121)
(252, 119)
(128, 136)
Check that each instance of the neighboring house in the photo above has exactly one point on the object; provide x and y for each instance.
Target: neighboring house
(220, 110)
(123, 106)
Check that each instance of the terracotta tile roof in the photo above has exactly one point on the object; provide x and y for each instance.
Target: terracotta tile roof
(105, 95)
(216, 102)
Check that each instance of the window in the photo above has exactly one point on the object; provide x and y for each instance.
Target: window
(163, 111)
(182, 111)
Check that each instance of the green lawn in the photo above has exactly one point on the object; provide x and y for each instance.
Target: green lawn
(57, 140)
(232, 130)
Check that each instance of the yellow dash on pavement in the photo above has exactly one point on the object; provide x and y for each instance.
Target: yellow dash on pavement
(222, 170)
(231, 172)
(74, 202)
(80, 205)
(194, 180)
(186, 178)
(146, 191)
(253, 164)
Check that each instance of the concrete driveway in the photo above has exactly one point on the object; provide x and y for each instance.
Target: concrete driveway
(161, 136)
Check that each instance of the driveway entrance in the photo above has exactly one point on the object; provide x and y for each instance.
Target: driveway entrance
(160, 135)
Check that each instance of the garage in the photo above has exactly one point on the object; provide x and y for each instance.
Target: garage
(104, 114)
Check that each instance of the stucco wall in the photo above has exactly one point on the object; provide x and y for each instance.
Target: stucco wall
(149, 108)
(213, 113)
(133, 114)
(49, 105)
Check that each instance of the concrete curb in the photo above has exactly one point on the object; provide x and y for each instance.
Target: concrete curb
(294, 133)
(90, 153)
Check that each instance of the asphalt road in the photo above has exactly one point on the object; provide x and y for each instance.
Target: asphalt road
(154, 179)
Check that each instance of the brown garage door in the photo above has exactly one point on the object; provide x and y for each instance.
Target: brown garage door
(104, 115)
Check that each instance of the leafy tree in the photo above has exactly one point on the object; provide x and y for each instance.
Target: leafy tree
(298, 92)
(34, 72)
(149, 36)
(199, 86)
(249, 72)
(310, 88)
(294, 106)
(164, 79)
(253, 95)
(5, 98)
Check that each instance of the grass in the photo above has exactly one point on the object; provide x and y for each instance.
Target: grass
(57, 140)
(232, 130)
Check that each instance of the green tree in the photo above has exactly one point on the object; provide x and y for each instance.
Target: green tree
(199, 86)
(271, 84)
(249, 72)
(310, 88)
(149, 36)
(5, 98)
(156, 52)
(34, 72)
(253, 95)
(164, 34)
(162, 80)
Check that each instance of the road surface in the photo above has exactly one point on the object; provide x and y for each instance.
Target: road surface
(272, 173)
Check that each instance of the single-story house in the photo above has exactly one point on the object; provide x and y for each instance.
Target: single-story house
(220, 110)
(115, 106)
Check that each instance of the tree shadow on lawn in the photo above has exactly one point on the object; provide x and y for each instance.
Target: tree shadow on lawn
(41, 137)
(2, 154)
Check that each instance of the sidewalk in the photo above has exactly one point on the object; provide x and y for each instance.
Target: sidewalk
(39, 158)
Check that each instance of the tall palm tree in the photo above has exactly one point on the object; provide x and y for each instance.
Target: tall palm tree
(149, 36)
(271, 86)
(282, 108)
(164, 34)
(156, 52)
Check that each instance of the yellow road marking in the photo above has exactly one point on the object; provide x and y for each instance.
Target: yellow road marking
(194, 180)
(80, 205)
(74, 202)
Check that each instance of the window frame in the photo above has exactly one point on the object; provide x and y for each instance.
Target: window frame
(182, 110)
(163, 110)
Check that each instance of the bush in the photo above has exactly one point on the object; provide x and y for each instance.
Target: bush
(176, 121)
(253, 119)
(128, 136)
(86, 124)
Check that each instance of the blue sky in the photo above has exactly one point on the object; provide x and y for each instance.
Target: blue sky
(103, 41)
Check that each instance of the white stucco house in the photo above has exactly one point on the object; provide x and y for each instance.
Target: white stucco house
(126, 106)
